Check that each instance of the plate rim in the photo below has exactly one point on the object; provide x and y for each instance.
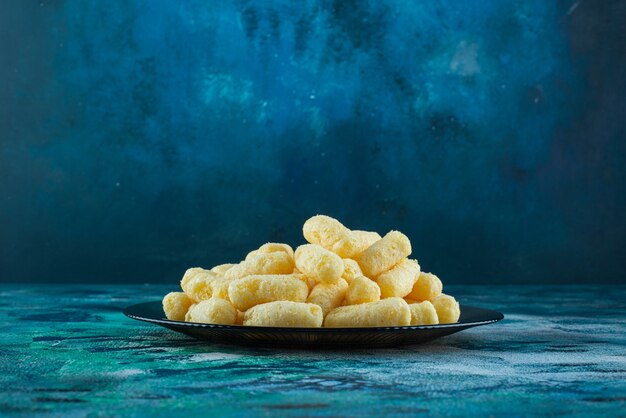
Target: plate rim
(498, 316)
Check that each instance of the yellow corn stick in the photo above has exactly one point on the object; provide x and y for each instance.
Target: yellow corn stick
(176, 305)
(384, 254)
(427, 287)
(284, 314)
(399, 280)
(272, 247)
(213, 311)
(362, 290)
(384, 313)
(253, 290)
(448, 309)
(319, 263)
(262, 263)
(423, 313)
(351, 270)
(328, 295)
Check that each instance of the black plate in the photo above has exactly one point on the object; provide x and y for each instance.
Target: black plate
(313, 337)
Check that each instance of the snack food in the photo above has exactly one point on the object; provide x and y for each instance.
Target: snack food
(253, 290)
(384, 254)
(284, 313)
(362, 290)
(319, 263)
(213, 311)
(272, 247)
(328, 295)
(222, 268)
(426, 287)
(398, 281)
(191, 273)
(329, 233)
(389, 312)
(351, 270)
(363, 240)
(340, 278)
(448, 310)
(199, 287)
(262, 263)
(176, 305)
(423, 313)
(219, 287)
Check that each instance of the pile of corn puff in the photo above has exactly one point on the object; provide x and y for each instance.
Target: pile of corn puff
(341, 279)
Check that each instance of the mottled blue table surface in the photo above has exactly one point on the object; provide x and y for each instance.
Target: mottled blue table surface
(69, 351)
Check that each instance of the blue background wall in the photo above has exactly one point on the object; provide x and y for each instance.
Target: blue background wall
(139, 138)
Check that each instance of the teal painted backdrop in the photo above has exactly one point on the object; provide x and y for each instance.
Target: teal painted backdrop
(139, 138)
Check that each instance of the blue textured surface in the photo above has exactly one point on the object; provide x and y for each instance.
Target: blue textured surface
(141, 137)
(68, 351)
